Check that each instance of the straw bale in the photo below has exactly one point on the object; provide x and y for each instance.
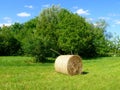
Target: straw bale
(68, 64)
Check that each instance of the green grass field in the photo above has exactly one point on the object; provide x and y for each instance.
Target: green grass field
(20, 73)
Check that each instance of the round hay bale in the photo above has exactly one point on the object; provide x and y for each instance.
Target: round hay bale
(68, 64)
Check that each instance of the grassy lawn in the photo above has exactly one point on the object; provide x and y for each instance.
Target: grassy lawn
(19, 73)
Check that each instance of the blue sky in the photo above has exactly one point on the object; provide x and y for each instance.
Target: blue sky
(12, 11)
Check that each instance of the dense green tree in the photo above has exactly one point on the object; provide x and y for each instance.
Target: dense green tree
(27, 35)
(101, 39)
(55, 31)
(64, 32)
(114, 46)
(76, 33)
(9, 45)
(46, 32)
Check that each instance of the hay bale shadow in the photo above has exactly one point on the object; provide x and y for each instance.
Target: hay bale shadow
(84, 73)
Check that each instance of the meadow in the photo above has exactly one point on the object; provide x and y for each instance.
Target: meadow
(21, 73)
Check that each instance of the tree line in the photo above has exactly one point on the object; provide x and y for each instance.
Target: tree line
(57, 31)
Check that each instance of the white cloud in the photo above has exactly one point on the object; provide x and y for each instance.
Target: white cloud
(28, 6)
(23, 14)
(114, 14)
(82, 12)
(46, 5)
(7, 19)
(95, 24)
(104, 18)
(1, 25)
(5, 24)
(75, 7)
(89, 19)
(117, 22)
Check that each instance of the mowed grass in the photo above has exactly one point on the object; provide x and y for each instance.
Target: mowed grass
(20, 73)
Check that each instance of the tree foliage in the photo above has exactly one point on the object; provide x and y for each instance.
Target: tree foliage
(55, 31)
(9, 45)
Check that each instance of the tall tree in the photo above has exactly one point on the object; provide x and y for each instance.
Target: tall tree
(9, 45)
